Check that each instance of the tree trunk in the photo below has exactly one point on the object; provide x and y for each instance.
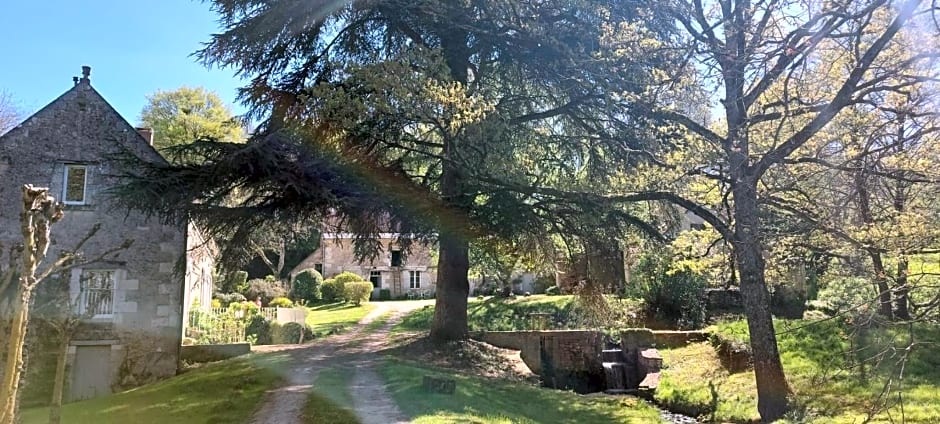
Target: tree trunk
(55, 409)
(772, 389)
(14, 359)
(881, 277)
(901, 310)
(453, 288)
(450, 309)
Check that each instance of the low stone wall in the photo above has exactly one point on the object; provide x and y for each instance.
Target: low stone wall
(212, 353)
(670, 339)
(565, 359)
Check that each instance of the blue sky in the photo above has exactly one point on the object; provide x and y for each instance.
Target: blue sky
(134, 47)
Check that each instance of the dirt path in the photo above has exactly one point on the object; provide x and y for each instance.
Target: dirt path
(353, 352)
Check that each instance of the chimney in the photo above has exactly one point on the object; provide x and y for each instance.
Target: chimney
(146, 133)
(86, 72)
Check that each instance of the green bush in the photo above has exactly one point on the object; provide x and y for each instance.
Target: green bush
(844, 293)
(281, 302)
(347, 277)
(673, 297)
(235, 282)
(385, 294)
(357, 291)
(226, 299)
(266, 289)
(290, 333)
(541, 284)
(332, 291)
(307, 286)
(259, 328)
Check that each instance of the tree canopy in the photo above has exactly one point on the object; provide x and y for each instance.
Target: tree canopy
(187, 114)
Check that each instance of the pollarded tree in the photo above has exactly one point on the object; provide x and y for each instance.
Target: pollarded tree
(187, 114)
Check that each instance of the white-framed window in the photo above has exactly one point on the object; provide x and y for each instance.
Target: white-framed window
(414, 279)
(74, 188)
(376, 278)
(96, 298)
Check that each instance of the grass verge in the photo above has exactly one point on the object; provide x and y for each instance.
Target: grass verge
(335, 318)
(480, 400)
(221, 392)
(330, 400)
(828, 367)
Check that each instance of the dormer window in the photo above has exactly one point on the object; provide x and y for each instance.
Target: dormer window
(76, 177)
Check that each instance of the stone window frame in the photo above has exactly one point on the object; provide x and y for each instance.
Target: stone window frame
(375, 273)
(414, 279)
(78, 295)
(65, 184)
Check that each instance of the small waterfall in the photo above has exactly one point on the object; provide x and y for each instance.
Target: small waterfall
(615, 373)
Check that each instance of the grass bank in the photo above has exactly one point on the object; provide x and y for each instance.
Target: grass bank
(496, 314)
(485, 401)
(831, 370)
(335, 318)
(222, 392)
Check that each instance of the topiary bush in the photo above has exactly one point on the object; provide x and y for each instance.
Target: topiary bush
(281, 302)
(226, 299)
(347, 277)
(675, 298)
(332, 291)
(291, 333)
(357, 291)
(259, 328)
(266, 289)
(385, 294)
(307, 286)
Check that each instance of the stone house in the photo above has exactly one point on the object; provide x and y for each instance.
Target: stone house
(414, 274)
(140, 298)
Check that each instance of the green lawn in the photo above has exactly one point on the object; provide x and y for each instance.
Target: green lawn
(822, 367)
(222, 392)
(479, 400)
(330, 400)
(336, 318)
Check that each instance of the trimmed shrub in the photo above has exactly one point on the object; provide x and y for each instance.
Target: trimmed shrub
(259, 328)
(266, 289)
(332, 291)
(347, 277)
(307, 285)
(290, 333)
(385, 294)
(357, 291)
(281, 302)
(226, 299)
(673, 297)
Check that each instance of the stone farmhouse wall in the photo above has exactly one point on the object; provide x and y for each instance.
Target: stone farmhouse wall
(139, 341)
(336, 255)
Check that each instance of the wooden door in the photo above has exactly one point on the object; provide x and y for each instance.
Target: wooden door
(91, 372)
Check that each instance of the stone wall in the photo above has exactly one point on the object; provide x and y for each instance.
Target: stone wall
(212, 353)
(144, 330)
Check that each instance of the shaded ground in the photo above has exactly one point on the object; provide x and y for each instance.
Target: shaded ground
(355, 353)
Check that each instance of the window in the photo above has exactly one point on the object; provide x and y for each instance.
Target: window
(414, 279)
(76, 177)
(97, 293)
(396, 258)
(376, 278)
(318, 268)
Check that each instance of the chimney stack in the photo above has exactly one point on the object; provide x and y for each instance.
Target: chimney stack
(147, 134)
(86, 72)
